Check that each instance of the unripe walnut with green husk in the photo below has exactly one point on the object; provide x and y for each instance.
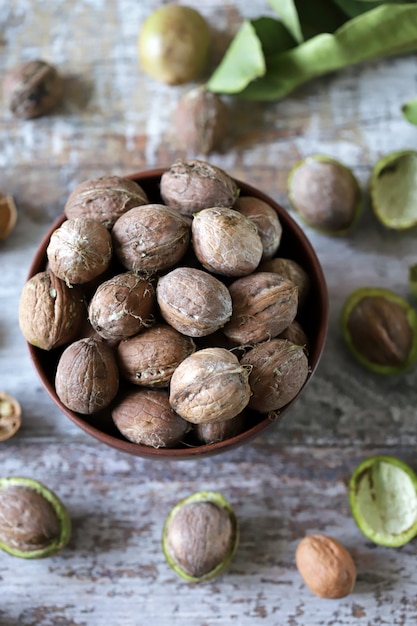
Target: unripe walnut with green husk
(34, 523)
(50, 313)
(79, 250)
(200, 536)
(380, 329)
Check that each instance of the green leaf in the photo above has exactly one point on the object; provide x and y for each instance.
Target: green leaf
(384, 31)
(287, 11)
(320, 16)
(273, 35)
(409, 110)
(352, 8)
(243, 62)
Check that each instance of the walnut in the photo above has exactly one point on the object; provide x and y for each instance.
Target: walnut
(150, 358)
(50, 313)
(104, 199)
(87, 377)
(279, 370)
(266, 221)
(194, 185)
(8, 215)
(291, 270)
(209, 386)
(207, 433)
(144, 416)
(193, 302)
(296, 334)
(226, 242)
(150, 238)
(79, 250)
(264, 304)
(32, 88)
(122, 306)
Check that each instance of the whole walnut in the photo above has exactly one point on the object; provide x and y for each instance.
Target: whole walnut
(278, 371)
(192, 185)
(214, 432)
(104, 199)
(87, 377)
(32, 89)
(209, 386)
(144, 416)
(150, 238)
(264, 304)
(201, 121)
(122, 306)
(193, 301)
(266, 221)
(291, 270)
(150, 358)
(226, 242)
(79, 250)
(296, 334)
(50, 313)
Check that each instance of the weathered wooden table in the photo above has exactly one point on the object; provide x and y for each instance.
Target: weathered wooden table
(290, 481)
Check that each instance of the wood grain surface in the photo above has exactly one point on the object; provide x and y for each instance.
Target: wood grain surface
(291, 480)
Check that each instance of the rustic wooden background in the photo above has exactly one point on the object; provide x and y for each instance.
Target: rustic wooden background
(288, 482)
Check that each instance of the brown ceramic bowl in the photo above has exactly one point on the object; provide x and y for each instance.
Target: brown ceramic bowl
(313, 317)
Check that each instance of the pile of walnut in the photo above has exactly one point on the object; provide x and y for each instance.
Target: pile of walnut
(175, 317)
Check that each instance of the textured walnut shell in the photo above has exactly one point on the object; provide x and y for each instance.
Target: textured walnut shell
(10, 416)
(296, 334)
(291, 270)
(326, 567)
(193, 302)
(151, 238)
(32, 88)
(194, 185)
(144, 416)
(213, 432)
(264, 304)
(104, 199)
(50, 313)
(33, 521)
(150, 358)
(87, 377)
(201, 121)
(226, 242)
(209, 386)
(278, 371)
(122, 306)
(266, 221)
(79, 250)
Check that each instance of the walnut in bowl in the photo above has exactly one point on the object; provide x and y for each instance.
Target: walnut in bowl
(311, 315)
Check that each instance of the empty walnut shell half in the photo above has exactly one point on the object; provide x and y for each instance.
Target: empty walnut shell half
(209, 386)
(34, 523)
(145, 417)
(104, 199)
(278, 371)
(87, 376)
(10, 416)
(193, 185)
(50, 313)
(32, 88)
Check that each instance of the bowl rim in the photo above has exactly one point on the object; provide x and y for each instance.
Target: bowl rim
(189, 451)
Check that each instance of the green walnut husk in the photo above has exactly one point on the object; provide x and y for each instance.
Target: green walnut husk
(34, 523)
(195, 533)
(412, 281)
(380, 330)
(325, 194)
(393, 190)
(383, 500)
